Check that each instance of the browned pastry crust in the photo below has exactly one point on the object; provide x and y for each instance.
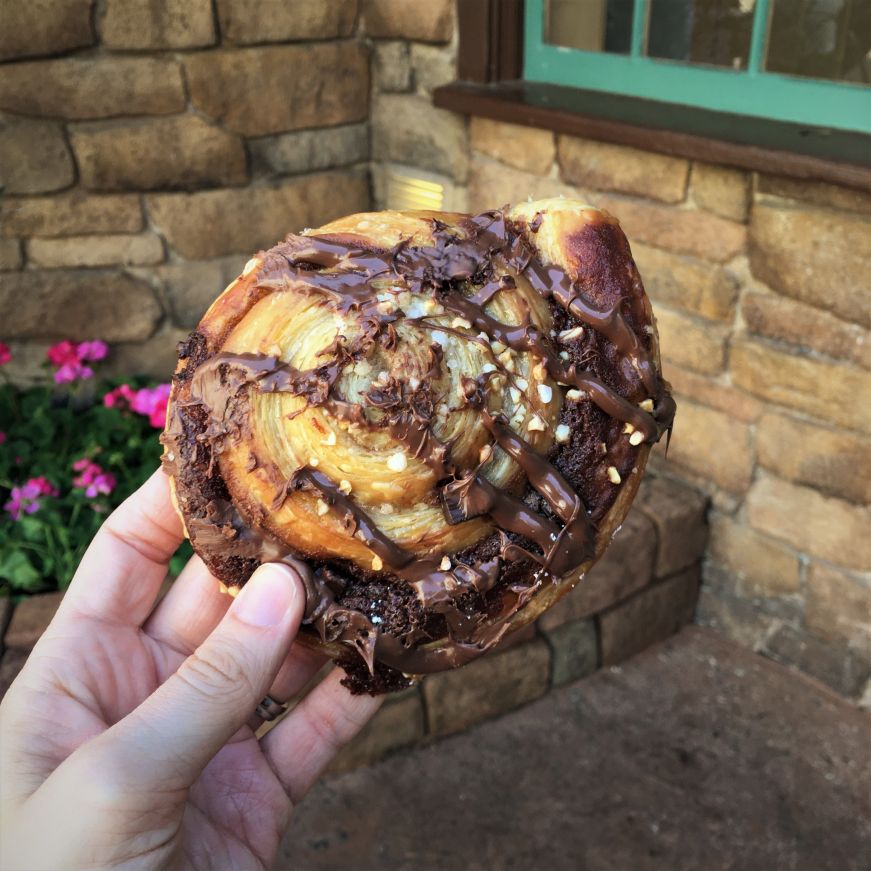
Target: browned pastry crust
(442, 418)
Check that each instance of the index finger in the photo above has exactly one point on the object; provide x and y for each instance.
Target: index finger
(121, 572)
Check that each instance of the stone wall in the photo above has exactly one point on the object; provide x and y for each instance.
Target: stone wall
(148, 147)
(761, 286)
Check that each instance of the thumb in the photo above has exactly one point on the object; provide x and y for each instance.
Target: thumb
(174, 733)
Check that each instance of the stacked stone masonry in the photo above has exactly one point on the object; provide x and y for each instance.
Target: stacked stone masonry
(144, 156)
(147, 149)
(642, 591)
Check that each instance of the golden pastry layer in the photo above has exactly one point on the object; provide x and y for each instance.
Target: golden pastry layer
(444, 416)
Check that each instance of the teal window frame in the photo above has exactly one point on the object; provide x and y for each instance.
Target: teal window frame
(752, 92)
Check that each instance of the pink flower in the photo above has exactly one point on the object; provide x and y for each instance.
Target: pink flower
(68, 358)
(121, 397)
(5, 354)
(94, 350)
(93, 480)
(62, 354)
(26, 498)
(151, 402)
(73, 372)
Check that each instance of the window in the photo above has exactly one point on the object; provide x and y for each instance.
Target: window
(798, 61)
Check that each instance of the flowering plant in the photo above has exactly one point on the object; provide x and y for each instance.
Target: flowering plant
(66, 459)
(69, 359)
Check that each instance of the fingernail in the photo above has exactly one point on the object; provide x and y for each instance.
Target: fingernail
(268, 597)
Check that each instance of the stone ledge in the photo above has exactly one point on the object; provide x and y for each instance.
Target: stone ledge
(5, 616)
(678, 513)
(30, 619)
(650, 616)
(486, 688)
(642, 591)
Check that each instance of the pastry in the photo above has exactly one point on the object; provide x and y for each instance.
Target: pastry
(442, 418)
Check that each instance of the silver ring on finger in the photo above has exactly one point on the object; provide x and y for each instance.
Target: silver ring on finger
(269, 709)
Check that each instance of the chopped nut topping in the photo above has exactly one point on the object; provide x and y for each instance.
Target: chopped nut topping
(614, 475)
(603, 448)
(386, 508)
(565, 355)
(377, 563)
(488, 367)
(344, 486)
(628, 428)
(536, 424)
(458, 323)
(545, 393)
(397, 462)
(222, 587)
(323, 508)
(522, 383)
(573, 333)
(330, 439)
(314, 462)
(539, 371)
(647, 405)
(497, 346)
(515, 394)
(233, 591)
(485, 453)
(414, 383)
(574, 395)
(445, 564)
(636, 438)
(562, 433)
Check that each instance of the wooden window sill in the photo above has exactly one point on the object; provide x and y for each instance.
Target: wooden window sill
(834, 156)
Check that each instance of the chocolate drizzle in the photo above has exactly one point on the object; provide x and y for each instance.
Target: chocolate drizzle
(550, 529)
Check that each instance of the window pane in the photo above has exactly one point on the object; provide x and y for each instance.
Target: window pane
(714, 32)
(591, 25)
(824, 39)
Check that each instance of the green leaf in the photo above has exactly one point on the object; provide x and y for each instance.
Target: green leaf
(16, 568)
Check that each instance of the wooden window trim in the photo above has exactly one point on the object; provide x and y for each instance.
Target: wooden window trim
(490, 67)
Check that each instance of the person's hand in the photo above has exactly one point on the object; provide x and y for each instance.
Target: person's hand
(128, 740)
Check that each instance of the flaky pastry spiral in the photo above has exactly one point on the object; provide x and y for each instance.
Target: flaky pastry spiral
(442, 418)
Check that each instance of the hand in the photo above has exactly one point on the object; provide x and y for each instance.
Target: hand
(128, 739)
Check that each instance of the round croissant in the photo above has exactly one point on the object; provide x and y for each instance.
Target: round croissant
(442, 418)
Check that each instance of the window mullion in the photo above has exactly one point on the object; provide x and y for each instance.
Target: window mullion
(638, 45)
(759, 37)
